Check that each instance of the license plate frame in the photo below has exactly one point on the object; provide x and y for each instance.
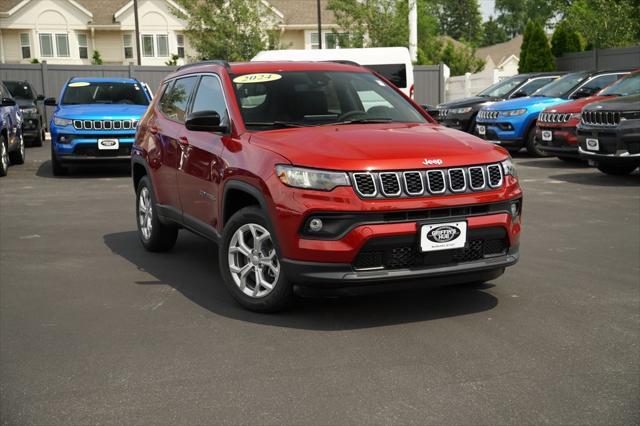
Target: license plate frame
(108, 144)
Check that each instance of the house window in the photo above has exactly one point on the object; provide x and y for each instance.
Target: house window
(25, 45)
(62, 45)
(128, 46)
(180, 42)
(163, 45)
(314, 41)
(83, 47)
(330, 40)
(46, 45)
(147, 45)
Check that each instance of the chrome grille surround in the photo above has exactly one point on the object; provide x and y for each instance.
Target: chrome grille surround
(442, 113)
(491, 115)
(427, 182)
(105, 124)
(553, 117)
(601, 118)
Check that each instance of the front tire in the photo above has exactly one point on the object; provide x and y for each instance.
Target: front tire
(616, 169)
(17, 157)
(533, 147)
(250, 263)
(154, 235)
(4, 156)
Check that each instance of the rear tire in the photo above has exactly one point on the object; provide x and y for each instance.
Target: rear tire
(250, 263)
(616, 169)
(533, 148)
(56, 166)
(38, 139)
(154, 235)
(17, 157)
(4, 156)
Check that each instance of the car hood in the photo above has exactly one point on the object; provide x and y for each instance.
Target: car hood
(575, 106)
(529, 102)
(625, 103)
(389, 146)
(101, 111)
(461, 103)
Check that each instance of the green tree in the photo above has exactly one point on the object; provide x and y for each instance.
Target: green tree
(460, 20)
(513, 15)
(493, 33)
(535, 53)
(460, 60)
(565, 40)
(606, 23)
(372, 23)
(234, 30)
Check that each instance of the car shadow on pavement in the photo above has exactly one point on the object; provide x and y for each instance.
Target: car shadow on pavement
(552, 163)
(191, 268)
(599, 179)
(98, 170)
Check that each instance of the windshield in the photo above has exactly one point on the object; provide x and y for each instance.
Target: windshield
(104, 93)
(19, 90)
(502, 88)
(562, 86)
(308, 98)
(629, 85)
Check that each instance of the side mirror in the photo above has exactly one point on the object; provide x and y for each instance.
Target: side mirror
(50, 102)
(518, 94)
(205, 121)
(584, 92)
(40, 98)
(7, 102)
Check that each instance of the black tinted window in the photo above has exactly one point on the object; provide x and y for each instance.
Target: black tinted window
(19, 90)
(175, 98)
(395, 73)
(83, 92)
(601, 82)
(209, 97)
(534, 85)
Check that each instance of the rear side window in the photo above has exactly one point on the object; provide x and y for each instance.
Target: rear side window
(209, 97)
(535, 84)
(395, 73)
(601, 82)
(175, 98)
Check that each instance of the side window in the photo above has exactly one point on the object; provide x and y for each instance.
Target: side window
(210, 97)
(535, 84)
(175, 98)
(600, 82)
(395, 73)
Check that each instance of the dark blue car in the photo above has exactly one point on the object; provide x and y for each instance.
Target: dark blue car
(11, 141)
(95, 120)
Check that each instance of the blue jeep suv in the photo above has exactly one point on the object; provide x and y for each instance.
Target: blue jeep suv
(95, 120)
(512, 123)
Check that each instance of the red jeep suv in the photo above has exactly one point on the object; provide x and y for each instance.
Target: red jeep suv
(319, 177)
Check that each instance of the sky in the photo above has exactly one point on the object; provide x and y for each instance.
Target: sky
(487, 8)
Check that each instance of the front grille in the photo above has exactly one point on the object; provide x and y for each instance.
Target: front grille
(457, 181)
(442, 113)
(490, 115)
(435, 181)
(413, 183)
(404, 252)
(365, 184)
(494, 172)
(601, 118)
(105, 124)
(390, 184)
(476, 178)
(553, 117)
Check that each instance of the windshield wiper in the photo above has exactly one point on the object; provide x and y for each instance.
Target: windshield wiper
(274, 124)
(362, 121)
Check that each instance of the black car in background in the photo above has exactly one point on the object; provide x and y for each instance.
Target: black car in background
(609, 134)
(461, 114)
(33, 126)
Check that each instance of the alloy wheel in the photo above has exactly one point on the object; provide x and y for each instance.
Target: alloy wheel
(145, 213)
(253, 262)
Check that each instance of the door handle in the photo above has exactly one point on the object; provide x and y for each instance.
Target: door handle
(182, 140)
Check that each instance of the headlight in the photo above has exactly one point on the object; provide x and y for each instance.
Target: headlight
(508, 168)
(322, 180)
(62, 121)
(514, 112)
(461, 110)
(30, 110)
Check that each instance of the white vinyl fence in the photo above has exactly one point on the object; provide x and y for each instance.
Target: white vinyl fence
(463, 86)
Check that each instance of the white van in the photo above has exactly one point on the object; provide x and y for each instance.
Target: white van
(394, 63)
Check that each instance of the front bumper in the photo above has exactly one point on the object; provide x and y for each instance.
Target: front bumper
(494, 134)
(619, 144)
(78, 146)
(564, 142)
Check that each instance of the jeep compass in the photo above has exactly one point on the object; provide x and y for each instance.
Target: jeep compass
(319, 177)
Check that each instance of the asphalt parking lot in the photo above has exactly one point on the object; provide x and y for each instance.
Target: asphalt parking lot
(95, 330)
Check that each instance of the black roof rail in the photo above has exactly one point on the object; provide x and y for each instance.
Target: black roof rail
(220, 62)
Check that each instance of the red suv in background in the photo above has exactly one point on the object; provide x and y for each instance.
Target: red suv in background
(556, 126)
(319, 176)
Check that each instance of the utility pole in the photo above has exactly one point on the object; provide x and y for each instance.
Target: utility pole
(135, 16)
(413, 30)
(319, 26)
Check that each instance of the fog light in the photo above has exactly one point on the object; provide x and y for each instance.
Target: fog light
(62, 139)
(315, 225)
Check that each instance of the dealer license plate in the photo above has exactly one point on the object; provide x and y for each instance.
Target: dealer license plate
(547, 135)
(443, 236)
(108, 144)
(482, 130)
(593, 144)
